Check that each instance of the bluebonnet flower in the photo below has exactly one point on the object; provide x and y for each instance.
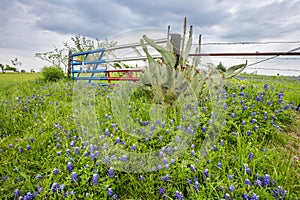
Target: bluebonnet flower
(162, 191)
(92, 156)
(28, 147)
(254, 197)
(95, 179)
(28, 196)
(38, 177)
(203, 129)
(62, 187)
(253, 121)
(244, 123)
(230, 188)
(178, 195)
(142, 178)
(257, 182)
(196, 186)
(111, 173)
(11, 146)
(172, 161)
(227, 196)
(232, 115)
(17, 193)
(167, 178)
(70, 166)
(193, 169)
(219, 164)
(167, 131)
(251, 155)
(222, 143)
(133, 147)
(266, 180)
(192, 153)
(215, 148)
(106, 159)
(77, 151)
(205, 172)
(255, 128)
(247, 182)
(248, 133)
(159, 167)
(31, 139)
(55, 171)
(230, 176)
(86, 154)
(244, 196)
(109, 192)
(167, 166)
(58, 146)
(74, 176)
(54, 187)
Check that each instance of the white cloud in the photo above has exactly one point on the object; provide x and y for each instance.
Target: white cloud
(30, 26)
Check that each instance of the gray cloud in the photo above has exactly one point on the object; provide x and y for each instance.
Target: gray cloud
(33, 26)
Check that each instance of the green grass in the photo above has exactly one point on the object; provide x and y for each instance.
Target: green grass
(8, 78)
(39, 133)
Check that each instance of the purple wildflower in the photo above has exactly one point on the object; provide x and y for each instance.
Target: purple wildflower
(230, 188)
(247, 182)
(203, 129)
(17, 193)
(251, 155)
(55, 171)
(109, 192)
(178, 195)
(38, 177)
(205, 172)
(230, 176)
(74, 176)
(54, 187)
(70, 166)
(95, 179)
(111, 173)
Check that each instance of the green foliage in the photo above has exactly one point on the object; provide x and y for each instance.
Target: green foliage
(52, 73)
(38, 114)
(59, 56)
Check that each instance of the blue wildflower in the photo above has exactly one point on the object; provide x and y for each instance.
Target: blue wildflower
(38, 177)
(230, 188)
(95, 179)
(55, 171)
(203, 129)
(227, 196)
(74, 176)
(251, 155)
(17, 193)
(244, 196)
(54, 187)
(230, 176)
(109, 192)
(247, 182)
(205, 172)
(111, 173)
(178, 195)
(70, 166)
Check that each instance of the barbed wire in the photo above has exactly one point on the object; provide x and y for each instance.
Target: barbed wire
(250, 43)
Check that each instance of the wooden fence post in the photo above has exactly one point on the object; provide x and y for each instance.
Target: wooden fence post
(69, 64)
(175, 41)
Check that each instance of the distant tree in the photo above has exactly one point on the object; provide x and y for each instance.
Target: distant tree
(23, 70)
(2, 68)
(16, 63)
(59, 57)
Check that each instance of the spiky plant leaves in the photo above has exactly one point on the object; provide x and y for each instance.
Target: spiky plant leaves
(235, 70)
(168, 57)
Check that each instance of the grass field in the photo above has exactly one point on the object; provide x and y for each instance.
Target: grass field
(8, 78)
(50, 149)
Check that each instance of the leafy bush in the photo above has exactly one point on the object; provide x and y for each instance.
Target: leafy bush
(52, 73)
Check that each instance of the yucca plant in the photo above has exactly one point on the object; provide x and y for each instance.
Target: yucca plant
(172, 77)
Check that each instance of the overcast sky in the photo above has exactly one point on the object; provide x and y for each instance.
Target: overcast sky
(31, 26)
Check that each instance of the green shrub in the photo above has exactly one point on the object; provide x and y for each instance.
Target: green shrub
(52, 73)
